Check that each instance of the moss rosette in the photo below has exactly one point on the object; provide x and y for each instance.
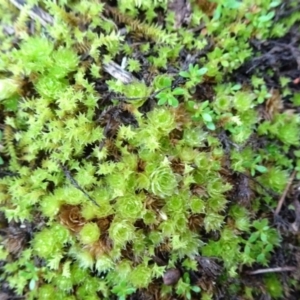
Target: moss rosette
(89, 233)
(163, 182)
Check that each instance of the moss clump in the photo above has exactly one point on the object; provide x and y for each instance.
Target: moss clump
(121, 177)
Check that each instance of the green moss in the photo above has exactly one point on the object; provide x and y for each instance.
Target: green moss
(89, 233)
(121, 182)
(273, 286)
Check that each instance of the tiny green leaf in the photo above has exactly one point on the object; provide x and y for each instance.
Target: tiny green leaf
(196, 289)
(211, 126)
(261, 169)
(202, 71)
(162, 101)
(184, 74)
(206, 117)
(178, 91)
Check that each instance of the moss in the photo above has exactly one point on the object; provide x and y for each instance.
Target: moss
(125, 176)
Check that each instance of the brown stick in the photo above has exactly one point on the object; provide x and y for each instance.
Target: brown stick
(281, 200)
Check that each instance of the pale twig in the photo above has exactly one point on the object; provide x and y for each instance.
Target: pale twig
(272, 270)
(35, 13)
(282, 198)
(118, 73)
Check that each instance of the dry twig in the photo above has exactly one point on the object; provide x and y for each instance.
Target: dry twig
(75, 183)
(272, 270)
(36, 13)
(282, 198)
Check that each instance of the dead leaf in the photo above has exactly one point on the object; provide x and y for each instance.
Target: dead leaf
(273, 104)
(207, 7)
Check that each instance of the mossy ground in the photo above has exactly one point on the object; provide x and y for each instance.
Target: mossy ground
(149, 150)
